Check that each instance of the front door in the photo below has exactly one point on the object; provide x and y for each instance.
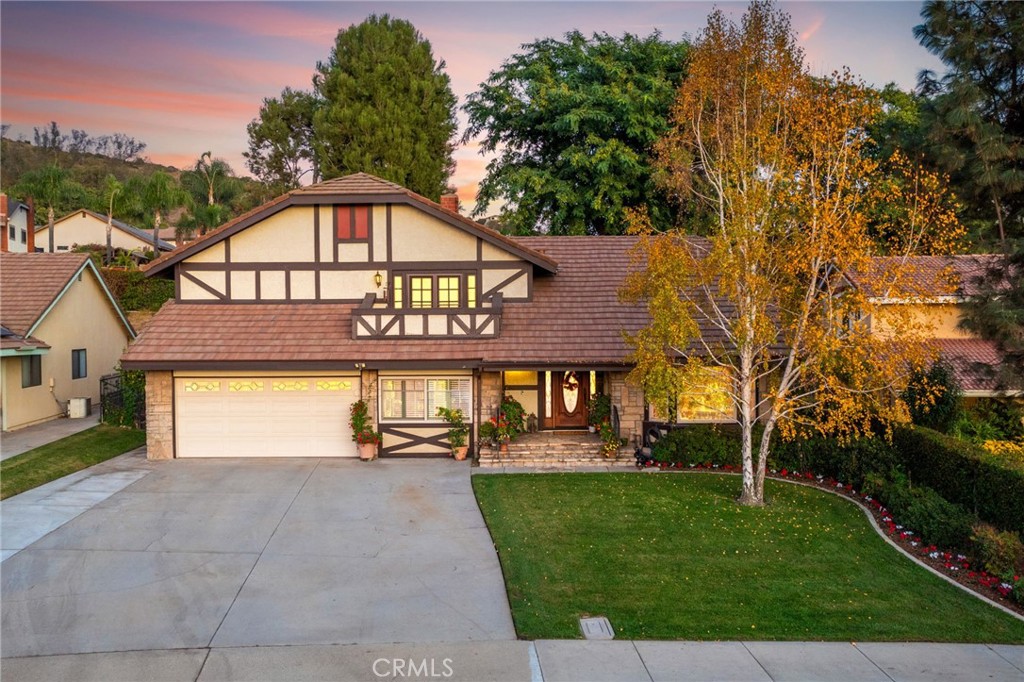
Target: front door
(569, 399)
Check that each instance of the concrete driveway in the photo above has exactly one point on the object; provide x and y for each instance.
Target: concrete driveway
(239, 553)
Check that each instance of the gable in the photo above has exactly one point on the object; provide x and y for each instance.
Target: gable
(335, 252)
(87, 227)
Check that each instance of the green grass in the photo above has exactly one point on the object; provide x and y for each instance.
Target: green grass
(672, 556)
(66, 456)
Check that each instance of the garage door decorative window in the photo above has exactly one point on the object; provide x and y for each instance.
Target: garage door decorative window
(245, 386)
(334, 385)
(202, 387)
(280, 386)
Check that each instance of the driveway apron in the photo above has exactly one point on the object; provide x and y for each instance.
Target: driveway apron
(235, 553)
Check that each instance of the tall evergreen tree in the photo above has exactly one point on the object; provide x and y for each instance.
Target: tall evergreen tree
(573, 123)
(387, 107)
(976, 109)
(281, 140)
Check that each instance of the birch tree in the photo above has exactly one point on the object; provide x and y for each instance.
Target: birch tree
(781, 292)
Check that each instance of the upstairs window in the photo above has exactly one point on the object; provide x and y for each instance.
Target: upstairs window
(352, 223)
(435, 291)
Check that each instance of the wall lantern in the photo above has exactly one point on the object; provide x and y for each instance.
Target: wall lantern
(378, 279)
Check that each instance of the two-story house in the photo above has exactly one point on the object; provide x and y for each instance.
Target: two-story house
(358, 288)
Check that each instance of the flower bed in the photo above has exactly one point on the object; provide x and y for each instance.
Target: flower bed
(1008, 592)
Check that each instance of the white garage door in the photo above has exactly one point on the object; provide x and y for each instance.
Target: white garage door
(264, 416)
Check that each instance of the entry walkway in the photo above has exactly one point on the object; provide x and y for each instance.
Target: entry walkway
(16, 442)
(543, 661)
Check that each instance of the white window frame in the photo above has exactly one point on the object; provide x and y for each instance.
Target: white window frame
(427, 418)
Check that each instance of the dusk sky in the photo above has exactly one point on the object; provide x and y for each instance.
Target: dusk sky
(186, 77)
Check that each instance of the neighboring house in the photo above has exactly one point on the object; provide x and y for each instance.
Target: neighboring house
(61, 331)
(357, 287)
(15, 220)
(169, 235)
(975, 361)
(88, 227)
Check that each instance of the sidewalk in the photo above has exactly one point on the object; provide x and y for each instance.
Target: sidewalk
(16, 442)
(543, 661)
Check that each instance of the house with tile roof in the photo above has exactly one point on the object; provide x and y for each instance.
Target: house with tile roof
(955, 280)
(88, 227)
(357, 287)
(60, 331)
(16, 219)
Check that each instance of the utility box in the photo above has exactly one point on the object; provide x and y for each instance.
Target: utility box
(80, 407)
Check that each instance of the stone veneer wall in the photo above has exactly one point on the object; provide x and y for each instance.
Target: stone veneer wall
(630, 401)
(159, 415)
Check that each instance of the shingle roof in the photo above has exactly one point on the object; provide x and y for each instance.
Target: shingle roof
(975, 363)
(357, 185)
(122, 226)
(31, 282)
(944, 275)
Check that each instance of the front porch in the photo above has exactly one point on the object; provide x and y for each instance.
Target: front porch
(554, 449)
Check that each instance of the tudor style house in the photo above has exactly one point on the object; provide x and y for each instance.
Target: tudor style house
(61, 331)
(358, 288)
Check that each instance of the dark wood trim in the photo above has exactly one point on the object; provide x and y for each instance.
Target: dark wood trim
(505, 282)
(227, 250)
(258, 274)
(413, 440)
(174, 417)
(287, 285)
(227, 273)
(479, 249)
(203, 285)
(388, 231)
(177, 283)
(369, 233)
(316, 233)
(456, 267)
(311, 200)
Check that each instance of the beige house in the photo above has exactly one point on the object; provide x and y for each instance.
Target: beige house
(955, 280)
(61, 331)
(357, 287)
(87, 227)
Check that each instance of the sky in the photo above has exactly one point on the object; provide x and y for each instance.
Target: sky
(187, 77)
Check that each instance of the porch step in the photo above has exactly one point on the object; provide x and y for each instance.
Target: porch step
(554, 449)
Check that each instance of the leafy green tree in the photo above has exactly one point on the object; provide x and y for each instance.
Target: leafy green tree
(387, 107)
(573, 122)
(976, 109)
(281, 140)
(52, 187)
(161, 194)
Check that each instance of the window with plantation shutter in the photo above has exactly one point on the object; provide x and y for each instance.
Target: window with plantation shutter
(408, 399)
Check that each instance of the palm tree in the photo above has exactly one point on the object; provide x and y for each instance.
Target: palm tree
(117, 197)
(50, 186)
(162, 194)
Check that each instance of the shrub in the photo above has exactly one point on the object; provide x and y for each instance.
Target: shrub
(600, 410)
(699, 443)
(512, 411)
(121, 407)
(850, 461)
(134, 291)
(923, 510)
(964, 473)
(934, 397)
(1000, 552)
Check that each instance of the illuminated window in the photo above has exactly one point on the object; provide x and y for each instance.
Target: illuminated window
(198, 386)
(471, 291)
(290, 386)
(421, 292)
(418, 399)
(707, 399)
(334, 385)
(353, 223)
(448, 292)
(250, 386)
(396, 291)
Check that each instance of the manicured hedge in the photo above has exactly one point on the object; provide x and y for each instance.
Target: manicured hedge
(700, 444)
(963, 473)
(921, 509)
(850, 462)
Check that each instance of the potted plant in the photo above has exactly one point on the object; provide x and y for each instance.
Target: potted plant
(458, 434)
(488, 432)
(505, 431)
(362, 431)
(610, 441)
(600, 411)
(514, 414)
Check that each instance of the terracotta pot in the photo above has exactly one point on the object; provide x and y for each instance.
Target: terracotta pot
(460, 453)
(367, 451)
(503, 446)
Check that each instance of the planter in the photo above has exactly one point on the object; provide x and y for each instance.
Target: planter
(367, 451)
(503, 447)
(592, 428)
(460, 453)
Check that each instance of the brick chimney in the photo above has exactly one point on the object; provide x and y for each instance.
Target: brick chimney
(450, 202)
(30, 225)
(4, 218)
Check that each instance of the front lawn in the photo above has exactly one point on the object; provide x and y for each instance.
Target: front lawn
(672, 556)
(66, 456)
